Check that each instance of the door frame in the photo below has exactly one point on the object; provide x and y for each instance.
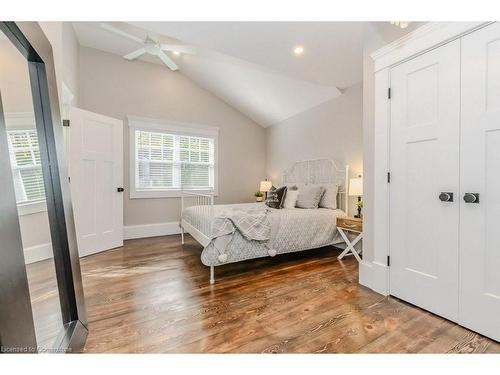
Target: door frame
(17, 330)
(374, 269)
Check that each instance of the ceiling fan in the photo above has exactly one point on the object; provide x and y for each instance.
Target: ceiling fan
(152, 46)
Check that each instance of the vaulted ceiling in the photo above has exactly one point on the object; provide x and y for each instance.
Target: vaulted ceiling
(251, 65)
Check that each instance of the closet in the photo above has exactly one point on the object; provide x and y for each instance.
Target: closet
(444, 190)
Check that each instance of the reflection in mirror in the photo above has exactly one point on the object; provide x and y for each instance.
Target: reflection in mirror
(15, 90)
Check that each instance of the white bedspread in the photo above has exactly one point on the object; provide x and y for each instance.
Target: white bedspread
(291, 230)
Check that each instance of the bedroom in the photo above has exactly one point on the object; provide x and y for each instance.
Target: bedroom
(224, 187)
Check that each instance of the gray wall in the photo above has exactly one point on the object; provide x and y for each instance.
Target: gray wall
(331, 130)
(115, 87)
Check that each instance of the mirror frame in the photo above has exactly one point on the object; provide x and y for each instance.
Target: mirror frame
(16, 318)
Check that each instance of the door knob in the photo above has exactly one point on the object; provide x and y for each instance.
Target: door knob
(446, 197)
(120, 189)
(471, 197)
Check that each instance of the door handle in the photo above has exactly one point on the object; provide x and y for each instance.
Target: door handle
(471, 197)
(446, 197)
(120, 189)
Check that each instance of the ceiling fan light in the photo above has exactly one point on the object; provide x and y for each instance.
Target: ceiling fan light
(401, 24)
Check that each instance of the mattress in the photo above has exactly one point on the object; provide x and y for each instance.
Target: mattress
(292, 230)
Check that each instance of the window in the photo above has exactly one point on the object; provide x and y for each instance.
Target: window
(26, 166)
(169, 158)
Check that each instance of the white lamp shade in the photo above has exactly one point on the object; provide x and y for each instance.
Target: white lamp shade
(265, 185)
(356, 187)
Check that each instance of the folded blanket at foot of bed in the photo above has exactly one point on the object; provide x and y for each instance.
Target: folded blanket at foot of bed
(249, 232)
(252, 223)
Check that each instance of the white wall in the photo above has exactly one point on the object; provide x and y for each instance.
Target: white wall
(66, 52)
(115, 87)
(331, 130)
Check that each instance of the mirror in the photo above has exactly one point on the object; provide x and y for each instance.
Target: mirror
(24, 152)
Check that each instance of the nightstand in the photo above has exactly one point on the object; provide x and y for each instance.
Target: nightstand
(353, 225)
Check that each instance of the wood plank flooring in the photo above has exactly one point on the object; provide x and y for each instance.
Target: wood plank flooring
(153, 296)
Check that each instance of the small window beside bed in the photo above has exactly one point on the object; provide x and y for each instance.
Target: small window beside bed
(166, 158)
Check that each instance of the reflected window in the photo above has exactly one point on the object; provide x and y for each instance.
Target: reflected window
(26, 165)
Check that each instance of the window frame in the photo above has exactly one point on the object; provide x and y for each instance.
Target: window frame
(170, 127)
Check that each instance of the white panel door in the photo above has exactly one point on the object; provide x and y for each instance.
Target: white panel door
(96, 170)
(480, 173)
(424, 161)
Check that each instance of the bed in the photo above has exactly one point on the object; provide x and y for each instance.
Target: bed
(238, 232)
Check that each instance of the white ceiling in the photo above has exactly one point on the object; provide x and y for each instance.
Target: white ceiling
(250, 65)
(333, 50)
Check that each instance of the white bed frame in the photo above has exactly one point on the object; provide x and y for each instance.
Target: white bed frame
(317, 171)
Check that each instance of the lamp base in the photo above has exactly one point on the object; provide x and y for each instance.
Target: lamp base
(358, 216)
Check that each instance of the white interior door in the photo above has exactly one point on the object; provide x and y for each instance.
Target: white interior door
(96, 170)
(424, 161)
(480, 173)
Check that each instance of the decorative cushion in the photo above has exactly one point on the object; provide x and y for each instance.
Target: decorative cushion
(291, 198)
(275, 197)
(309, 196)
(329, 199)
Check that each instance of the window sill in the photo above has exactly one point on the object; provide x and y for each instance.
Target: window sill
(166, 193)
(24, 209)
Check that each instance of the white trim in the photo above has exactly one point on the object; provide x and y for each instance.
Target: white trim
(31, 208)
(20, 120)
(151, 230)
(182, 127)
(143, 123)
(37, 253)
(374, 276)
(426, 37)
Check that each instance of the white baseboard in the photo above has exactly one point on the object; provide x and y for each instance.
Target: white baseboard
(375, 276)
(150, 230)
(37, 253)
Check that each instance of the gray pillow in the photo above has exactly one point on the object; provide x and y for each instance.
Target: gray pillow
(309, 196)
(329, 199)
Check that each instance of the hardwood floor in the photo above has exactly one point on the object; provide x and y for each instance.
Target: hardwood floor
(153, 296)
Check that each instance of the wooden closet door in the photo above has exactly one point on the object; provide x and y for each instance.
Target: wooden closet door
(424, 162)
(480, 173)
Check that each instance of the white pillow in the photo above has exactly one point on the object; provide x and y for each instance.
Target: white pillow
(291, 197)
(309, 196)
(329, 198)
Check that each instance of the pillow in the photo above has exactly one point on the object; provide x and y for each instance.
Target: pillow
(329, 199)
(275, 197)
(290, 198)
(309, 196)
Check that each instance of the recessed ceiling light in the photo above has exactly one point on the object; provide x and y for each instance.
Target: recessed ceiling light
(177, 53)
(299, 50)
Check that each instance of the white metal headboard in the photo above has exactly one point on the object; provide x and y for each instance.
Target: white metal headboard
(319, 171)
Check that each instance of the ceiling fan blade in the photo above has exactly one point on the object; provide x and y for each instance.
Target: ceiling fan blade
(178, 48)
(117, 31)
(167, 61)
(135, 54)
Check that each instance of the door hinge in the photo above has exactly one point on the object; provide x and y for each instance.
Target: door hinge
(66, 123)
(389, 93)
(388, 177)
(388, 261)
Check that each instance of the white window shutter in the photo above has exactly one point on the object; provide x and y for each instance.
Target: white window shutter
(26, 165)
(173, 162)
